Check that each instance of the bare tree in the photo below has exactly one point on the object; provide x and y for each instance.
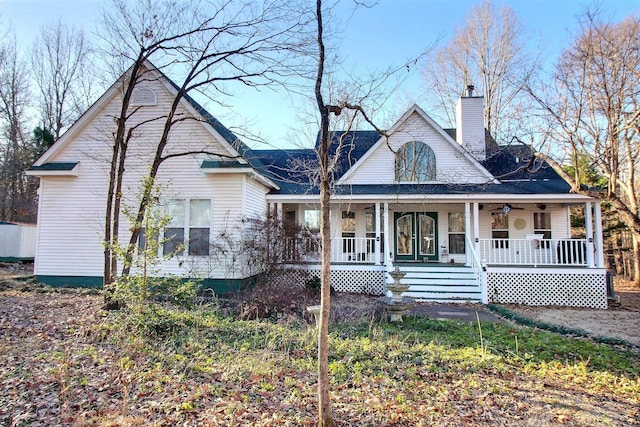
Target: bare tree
(594, 105)
(343, 105)
(210, 46)
(325, 416)
(486, 52)
(17, 202)
(59, 60)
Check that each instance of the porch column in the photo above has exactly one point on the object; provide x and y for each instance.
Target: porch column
(279, 210)
(387, 247)
(467, 230)
(598, 239)
(476, 229)
(588, 225)
(376, 245)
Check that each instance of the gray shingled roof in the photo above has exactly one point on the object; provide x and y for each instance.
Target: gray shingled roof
(510, 164)
(292, 169)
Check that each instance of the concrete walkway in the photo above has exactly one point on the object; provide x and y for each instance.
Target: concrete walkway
(460, 312)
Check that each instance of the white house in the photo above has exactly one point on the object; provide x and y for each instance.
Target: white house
(466, 218)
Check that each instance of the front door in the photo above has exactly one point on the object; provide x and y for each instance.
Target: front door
(416, 236)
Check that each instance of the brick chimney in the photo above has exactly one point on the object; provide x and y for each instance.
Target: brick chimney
(470, 124)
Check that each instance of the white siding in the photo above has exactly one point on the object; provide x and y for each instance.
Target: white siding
(255, 203)
(71, 221)
(470, 125)
(70, 225)
(452, 166)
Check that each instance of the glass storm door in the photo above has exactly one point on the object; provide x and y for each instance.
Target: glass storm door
(416, 236)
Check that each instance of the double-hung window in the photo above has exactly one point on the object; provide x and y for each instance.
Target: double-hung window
(193, 235)
(199, 222)
(542, 225)
(500, 229)
(456, 233)
(312, 220)
(178, 234)
(173, 241)
(348, 231)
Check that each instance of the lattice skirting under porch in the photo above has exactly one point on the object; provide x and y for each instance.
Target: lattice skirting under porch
(569, 288)
(347, 278)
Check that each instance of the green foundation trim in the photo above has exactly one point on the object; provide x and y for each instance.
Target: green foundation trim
(71, 281)
(219, 286)
(15, 259)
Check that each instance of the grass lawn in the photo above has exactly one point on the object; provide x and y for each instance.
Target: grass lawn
(65, 362)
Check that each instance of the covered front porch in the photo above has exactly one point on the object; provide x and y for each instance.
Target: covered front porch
(496, 233)
(515, 252)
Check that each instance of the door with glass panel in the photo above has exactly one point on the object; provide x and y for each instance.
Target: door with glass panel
(416, 236)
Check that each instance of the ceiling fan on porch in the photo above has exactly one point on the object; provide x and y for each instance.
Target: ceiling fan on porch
(506, 208)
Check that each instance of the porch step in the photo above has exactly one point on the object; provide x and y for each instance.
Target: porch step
(441, 283)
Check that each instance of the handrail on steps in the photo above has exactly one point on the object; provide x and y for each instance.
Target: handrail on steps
(479, 270)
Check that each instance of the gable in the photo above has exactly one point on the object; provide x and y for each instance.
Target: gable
(453, 164)
(93, 131)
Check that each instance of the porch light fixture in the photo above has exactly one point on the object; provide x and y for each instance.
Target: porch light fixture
(541, 206)
(506, 208)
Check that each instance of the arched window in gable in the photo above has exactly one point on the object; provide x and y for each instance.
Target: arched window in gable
(415, 162)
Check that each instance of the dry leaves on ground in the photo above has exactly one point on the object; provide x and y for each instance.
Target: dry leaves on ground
(55, 371)
(621, 320)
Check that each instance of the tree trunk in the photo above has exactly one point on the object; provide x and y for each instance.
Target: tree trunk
(112, 210)
(618, 255)
(325, 417)
(636, 257)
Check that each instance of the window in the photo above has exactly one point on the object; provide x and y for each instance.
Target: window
(415, 162)
(199, 214)
(348, 231)
(197, 231)
(148, 236)
(456, 233)
(542, 225)
(173, 242)
(500, 229)
(312, 220)
(150, 244)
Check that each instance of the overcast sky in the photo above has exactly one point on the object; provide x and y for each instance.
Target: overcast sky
(373, 38)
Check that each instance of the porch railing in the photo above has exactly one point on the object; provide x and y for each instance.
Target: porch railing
(353, 249)
(559, 252)
(532, 252)
(344, 249)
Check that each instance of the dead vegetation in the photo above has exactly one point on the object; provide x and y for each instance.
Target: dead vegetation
(65, 362)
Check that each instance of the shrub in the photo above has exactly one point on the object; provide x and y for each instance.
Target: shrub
(276, 297)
